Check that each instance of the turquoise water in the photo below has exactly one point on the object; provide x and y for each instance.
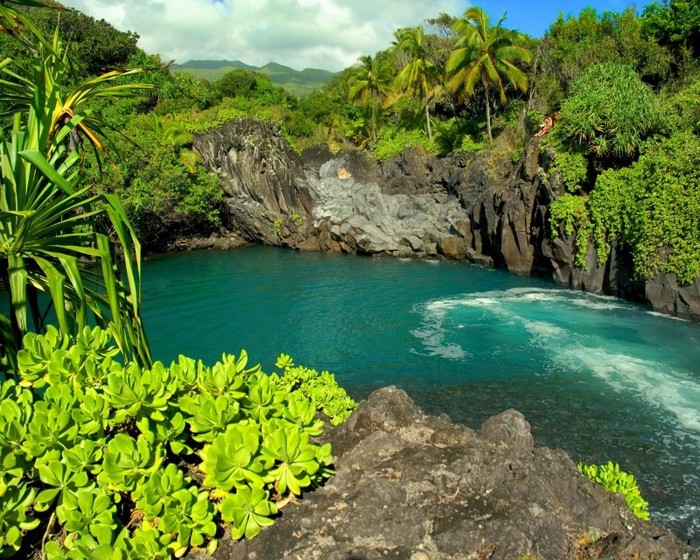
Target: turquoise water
(601, 378)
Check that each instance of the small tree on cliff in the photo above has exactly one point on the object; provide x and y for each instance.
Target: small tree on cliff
(485, 55)
(370, 83)
(420, 76)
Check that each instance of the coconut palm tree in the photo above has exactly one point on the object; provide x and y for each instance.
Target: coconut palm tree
(370, 84)
(485, 55)
(420, 76)
(56, 254)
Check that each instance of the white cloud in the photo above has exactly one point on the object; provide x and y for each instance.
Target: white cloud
(329, 34)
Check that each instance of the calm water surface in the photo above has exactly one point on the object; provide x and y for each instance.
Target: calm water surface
(598, 377)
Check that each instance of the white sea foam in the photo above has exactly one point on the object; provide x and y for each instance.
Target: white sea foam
(675, 392)
(598, 305)
(664, 316)
(543, 328)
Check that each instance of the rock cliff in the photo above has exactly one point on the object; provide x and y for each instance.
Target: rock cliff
(413, 487)
(482, 208)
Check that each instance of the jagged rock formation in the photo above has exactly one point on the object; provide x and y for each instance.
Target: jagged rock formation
(483, 208)
(264, 179)
(413, 487)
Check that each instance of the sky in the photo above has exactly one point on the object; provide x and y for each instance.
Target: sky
(326, 34)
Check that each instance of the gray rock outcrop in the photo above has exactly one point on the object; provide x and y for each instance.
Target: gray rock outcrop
(413, 487)
(269, 200)
(483, 208)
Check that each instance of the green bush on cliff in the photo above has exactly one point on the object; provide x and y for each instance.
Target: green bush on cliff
(652, 208)
(395, 141)
(615, 480)
(104, 460)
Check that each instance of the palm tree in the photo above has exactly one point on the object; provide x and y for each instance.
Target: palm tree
(370, 84)
(54, 231)
(419, 76)
(485, 55)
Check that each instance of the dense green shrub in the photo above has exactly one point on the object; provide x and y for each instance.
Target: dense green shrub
(453, 136)
(161, 182)
(393, 142)
(618, 481)
(571, 211)
(573, 167)
(653, 207)
(104, 460)
(610, 112)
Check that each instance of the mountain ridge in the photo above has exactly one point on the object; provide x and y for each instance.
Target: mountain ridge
(299, 82)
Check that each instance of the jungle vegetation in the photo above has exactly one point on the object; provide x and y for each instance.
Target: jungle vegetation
(451, 85)
(106, 454)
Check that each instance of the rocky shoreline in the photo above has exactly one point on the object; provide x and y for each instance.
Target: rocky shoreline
(415, 487)
(483, 208)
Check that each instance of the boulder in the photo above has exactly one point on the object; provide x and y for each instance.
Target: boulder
(415, 487)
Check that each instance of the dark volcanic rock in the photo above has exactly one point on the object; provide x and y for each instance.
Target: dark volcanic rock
(269, 198)
(413, 487)
(484, 208)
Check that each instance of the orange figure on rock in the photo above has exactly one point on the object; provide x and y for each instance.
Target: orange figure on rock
(546, 126)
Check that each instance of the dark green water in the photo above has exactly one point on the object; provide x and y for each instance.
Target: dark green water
(598, 377)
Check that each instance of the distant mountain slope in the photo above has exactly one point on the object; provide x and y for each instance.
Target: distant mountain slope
(300, 83)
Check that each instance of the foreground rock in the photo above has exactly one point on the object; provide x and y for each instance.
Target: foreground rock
(413, 487)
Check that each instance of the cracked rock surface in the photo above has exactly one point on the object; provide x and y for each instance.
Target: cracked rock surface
(414, 487)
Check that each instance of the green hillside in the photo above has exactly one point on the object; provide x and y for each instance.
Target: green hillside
(296, 82)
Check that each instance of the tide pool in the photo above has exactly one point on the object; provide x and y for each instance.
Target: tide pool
(598, 377)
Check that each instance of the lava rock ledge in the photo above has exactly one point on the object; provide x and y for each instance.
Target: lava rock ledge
(416, 487)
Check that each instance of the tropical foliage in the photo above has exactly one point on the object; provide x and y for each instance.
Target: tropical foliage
(486, 56)
(55, 253)
(419, 76)
(617, 481)
(370, 84)
(107, 460)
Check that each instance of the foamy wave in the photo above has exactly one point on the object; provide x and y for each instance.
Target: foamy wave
(597, 305)
(674, 392)
(543, 328)
(664, 316)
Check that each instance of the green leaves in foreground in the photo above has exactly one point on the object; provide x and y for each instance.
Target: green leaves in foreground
(618, 481)
(249, 510)
(123, 462)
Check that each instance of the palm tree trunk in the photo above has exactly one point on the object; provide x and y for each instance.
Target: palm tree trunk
(488, 113)
(427, 120)
(374, 120)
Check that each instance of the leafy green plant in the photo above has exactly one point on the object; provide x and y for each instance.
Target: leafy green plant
(249, 510)
(295, 459)
(15, 520)
(615, 480)
(88, 511)
(123, 461)
(320, 388)
(233, 460)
